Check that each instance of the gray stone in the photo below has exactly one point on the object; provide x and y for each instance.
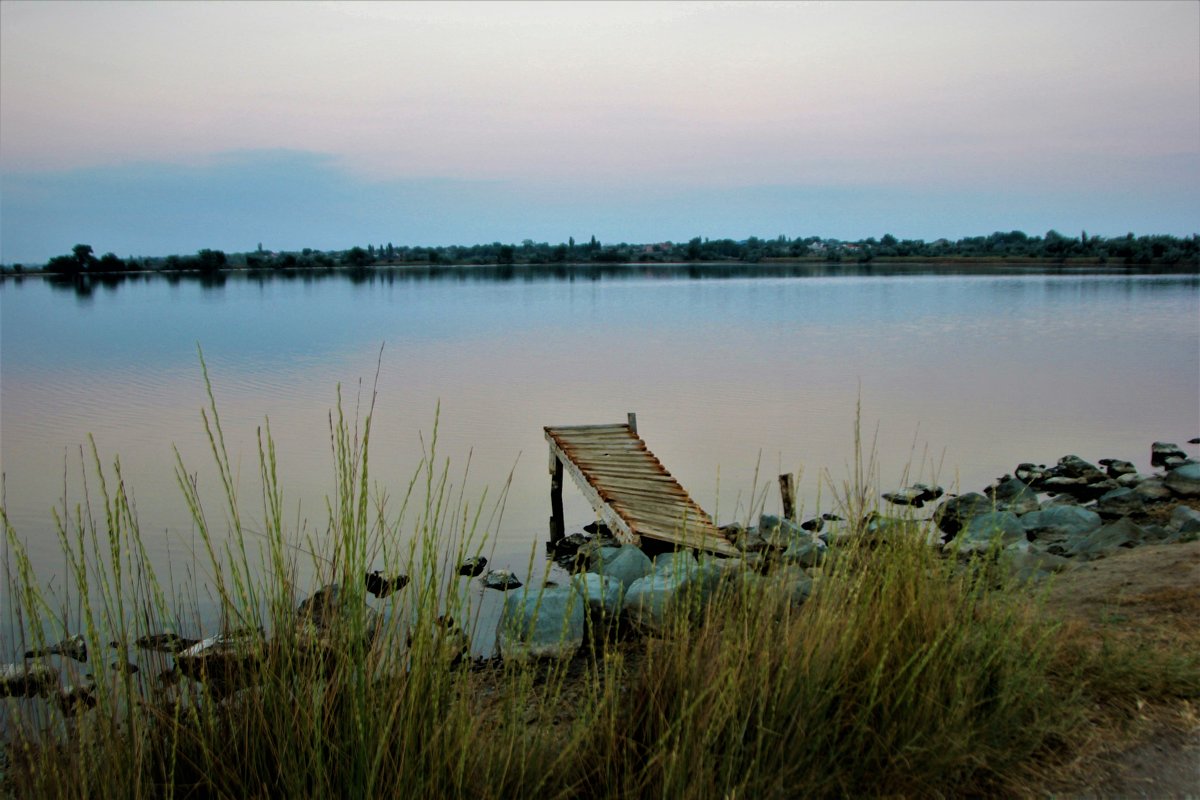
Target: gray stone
(27, 679)
(1105, 541)
(625, 563)
(1012, 494)
(1031, 474)
(546, 623)
(1184, 480)
(164, 642)
(501, 579)
(602, 593)
(473, 567)
(1160, 452)
(985, 530)
(679, 582)
(74, 700)
(74, 647)
(1076, 467)
(805, 552)
(1130, 479)
(909, 496)
(1185, 520)
(954, 514)
(1030, 565)
(1119, 503)
(224, 660)
(329, 620)
(1115, 467)
(1153, 490)
(1060, 523)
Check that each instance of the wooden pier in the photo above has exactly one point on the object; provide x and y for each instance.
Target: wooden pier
(628, 487)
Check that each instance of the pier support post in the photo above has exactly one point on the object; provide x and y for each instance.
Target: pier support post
(557, 526)
(787, 490)
(632, 417)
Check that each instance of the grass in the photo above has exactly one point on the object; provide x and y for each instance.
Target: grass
(904, 673)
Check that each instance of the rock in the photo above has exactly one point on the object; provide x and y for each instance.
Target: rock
(27, 680)
(1013, 494)
(805, 552)
(625, 564)
(776, 531)
(1130, 479)
(541, 624)
(225, 661)
(1121, 533)
(813, 525)
(1153, 490)
(1076, 467)
(1079, 488)
(748, 541)
(1119, 503)
(330, 616)
(929, 493)
(1184, 480)
(74, 700)
(125, 667)
(1031, 474)
(1115, 467)
(501, 579)
(473, 567)
(598, 529)
(985, 530)
(602, 593)
(909, 496)
(1059, 523)
(381, 585)
(446, 641)
(797, 589)
(1161, 451)
(564, 549)
(74, 647)
(679, 582)
(1195, 440)
(164, 642)
(1185, 520)
(954, 514)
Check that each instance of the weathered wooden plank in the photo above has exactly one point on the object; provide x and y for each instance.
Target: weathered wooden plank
(611, 426)
(670, 517)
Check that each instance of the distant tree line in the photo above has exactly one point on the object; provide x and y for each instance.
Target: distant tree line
(999, 247)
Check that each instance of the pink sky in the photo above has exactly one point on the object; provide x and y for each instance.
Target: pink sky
(1010, 97)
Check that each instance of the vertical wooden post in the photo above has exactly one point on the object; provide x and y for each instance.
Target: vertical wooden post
(787, 490)
(557, 526)
(632, 417)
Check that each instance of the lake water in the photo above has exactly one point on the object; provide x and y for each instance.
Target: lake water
(960, 377)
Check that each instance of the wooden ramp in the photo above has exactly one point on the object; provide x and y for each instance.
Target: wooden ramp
(629, 488)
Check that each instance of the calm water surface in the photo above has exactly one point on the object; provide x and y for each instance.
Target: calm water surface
(962, 376)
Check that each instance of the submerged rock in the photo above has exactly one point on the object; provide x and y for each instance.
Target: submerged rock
(501, 579)
(74, 700)
(74, 647)
(473, 567)
(27, 680)
(535, 624)
(381, 585)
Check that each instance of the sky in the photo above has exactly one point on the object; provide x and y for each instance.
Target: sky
(158, 128)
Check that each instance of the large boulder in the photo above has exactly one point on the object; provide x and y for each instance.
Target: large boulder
(536, 624)
(1153, 490)
(27, 679)
(1119, 503)
(1115, 467)
(1105, 541)
(807, 551)
(679, 583)
(1185, 520)
(625, 563)
(988, 530)
(1184, 480)
(602, 593)
(1060, 523)
(954, 514)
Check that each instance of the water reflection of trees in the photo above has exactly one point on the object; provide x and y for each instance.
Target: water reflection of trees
(83, 285)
